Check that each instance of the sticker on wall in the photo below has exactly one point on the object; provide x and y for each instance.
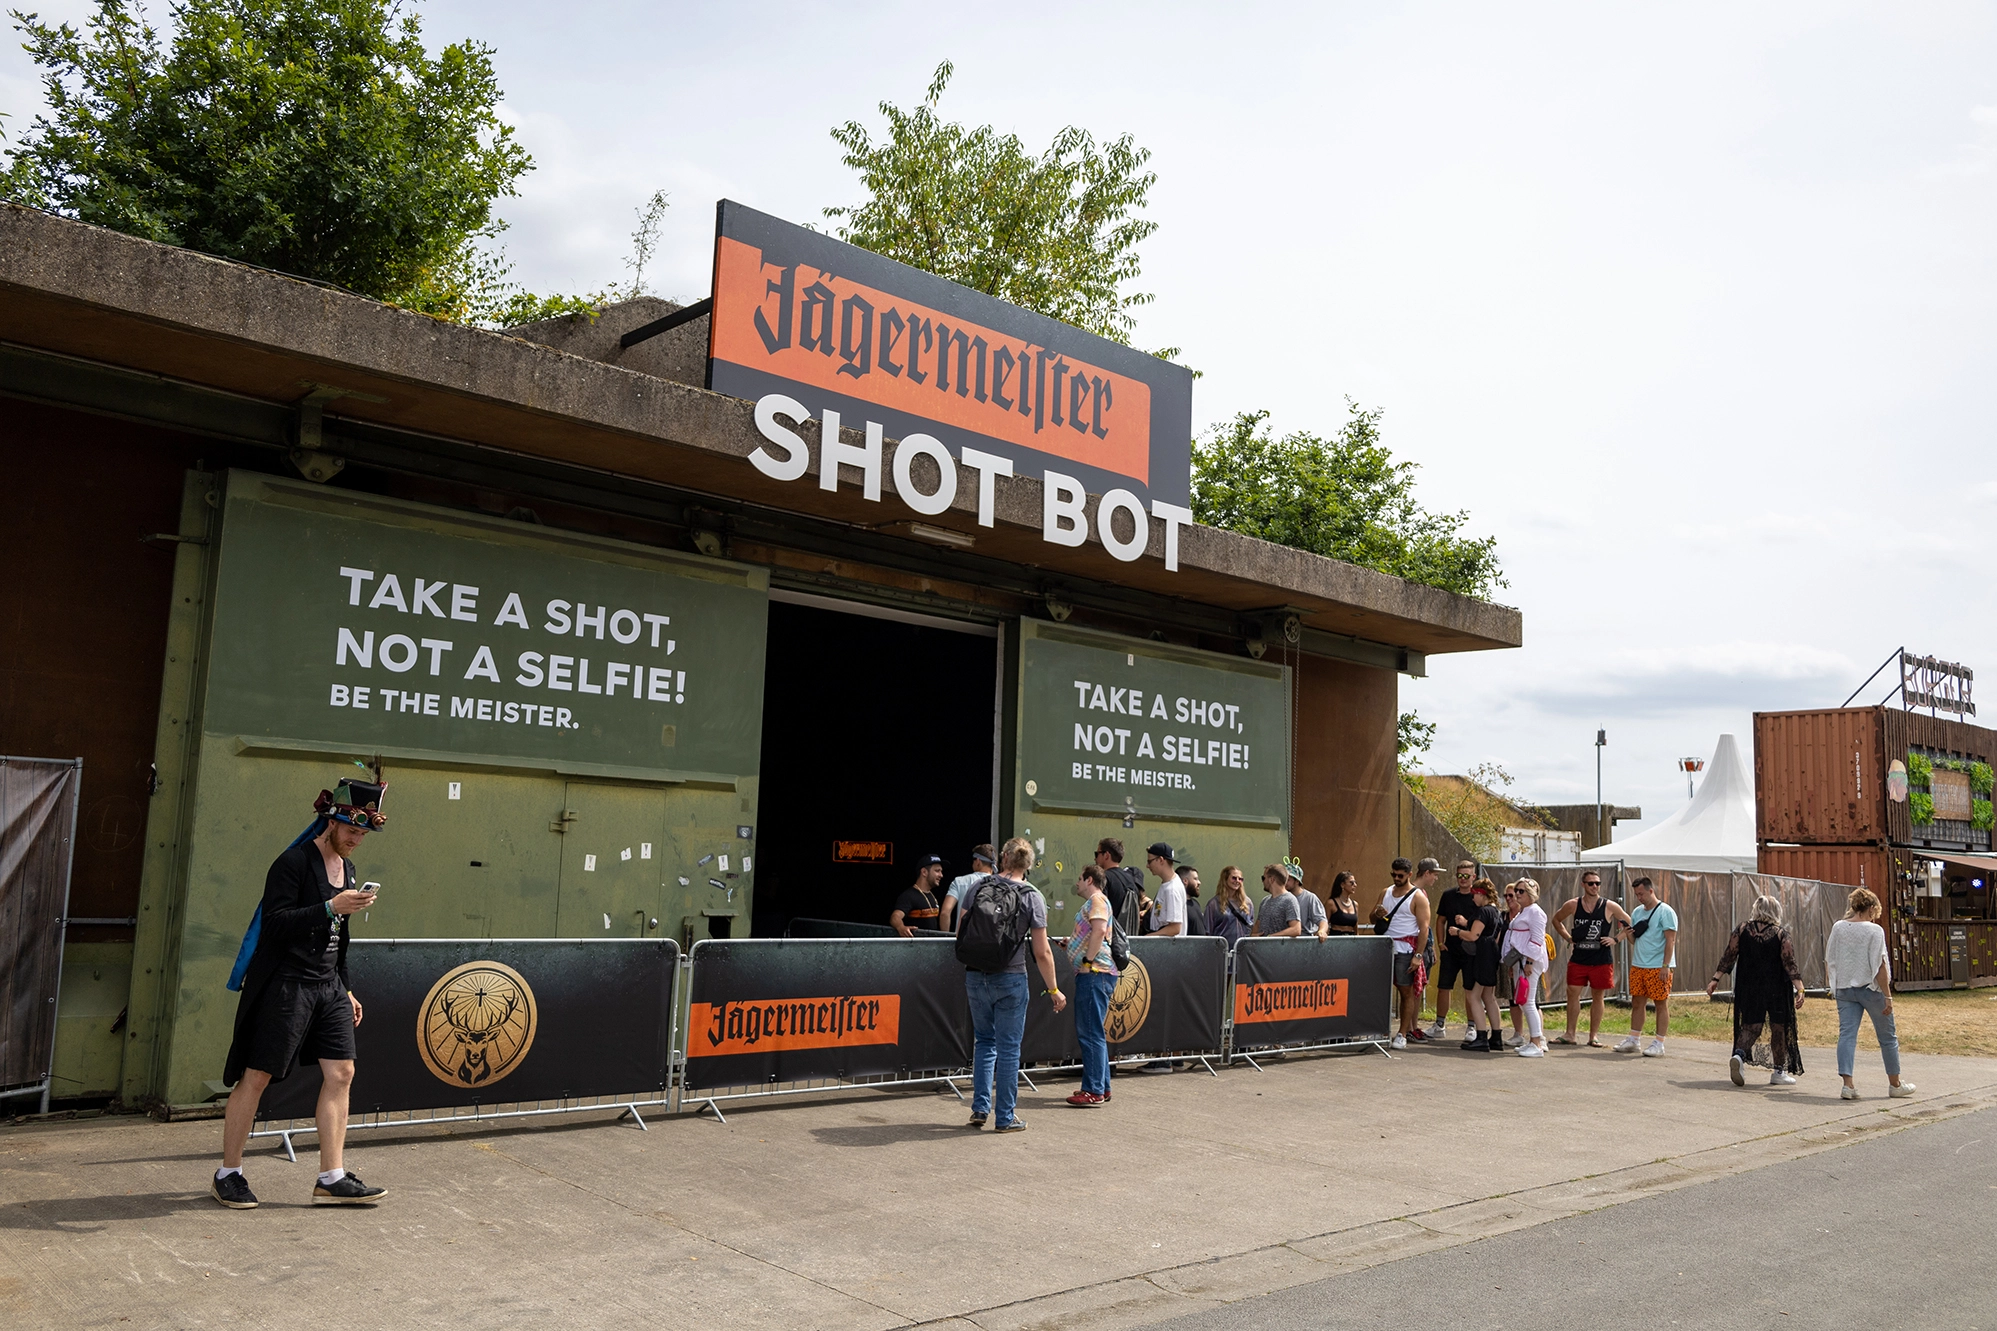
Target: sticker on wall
(1033, 787)
(625, 854)
(606, 921)
(456, 788)
(705, 858)
(644, 850)
(743, 831)
(745, 864)
(589, 864)
(685, 881)
(723, 865)
(716, 882)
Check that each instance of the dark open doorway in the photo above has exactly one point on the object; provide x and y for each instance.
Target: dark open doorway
(874, 730)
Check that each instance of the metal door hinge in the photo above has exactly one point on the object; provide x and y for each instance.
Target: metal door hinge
(561, 824)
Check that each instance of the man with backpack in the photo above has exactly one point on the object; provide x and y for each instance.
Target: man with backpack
(1001, 918)
(1124, 887)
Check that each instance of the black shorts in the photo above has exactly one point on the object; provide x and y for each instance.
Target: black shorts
(1483, 970)
(300, 1020)
(1452, 964)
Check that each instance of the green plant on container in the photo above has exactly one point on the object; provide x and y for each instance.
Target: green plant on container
(1920, 808)
(1980, 815)
(1920, 772)
(1979, 779)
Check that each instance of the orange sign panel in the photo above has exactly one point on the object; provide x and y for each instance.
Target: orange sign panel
(837, 327)
(863, 852)
(774, 1024)
(1290, 1000)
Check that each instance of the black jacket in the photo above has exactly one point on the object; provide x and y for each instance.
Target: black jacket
(295, 925)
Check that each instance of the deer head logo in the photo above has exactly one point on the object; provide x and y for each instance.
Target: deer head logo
(477, 1024)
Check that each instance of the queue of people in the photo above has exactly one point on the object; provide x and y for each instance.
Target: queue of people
(1495, 944)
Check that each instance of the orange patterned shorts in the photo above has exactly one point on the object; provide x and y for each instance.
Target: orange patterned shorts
(1654, 985)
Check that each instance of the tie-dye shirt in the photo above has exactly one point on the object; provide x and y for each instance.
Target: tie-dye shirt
(1097, 909)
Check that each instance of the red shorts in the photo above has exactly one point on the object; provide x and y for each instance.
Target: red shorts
(1599, 978)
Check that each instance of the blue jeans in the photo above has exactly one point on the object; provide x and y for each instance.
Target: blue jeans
(1851, 1002)
(1092, 993)
(998, 1024)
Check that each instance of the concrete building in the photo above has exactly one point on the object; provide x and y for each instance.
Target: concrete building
(260, 528)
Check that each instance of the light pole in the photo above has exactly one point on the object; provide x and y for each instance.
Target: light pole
(1690, 766)
(1601, 829)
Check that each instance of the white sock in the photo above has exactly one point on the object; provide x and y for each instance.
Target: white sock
(227, 1170)
(331, 1176)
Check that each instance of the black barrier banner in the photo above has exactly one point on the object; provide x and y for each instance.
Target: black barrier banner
(762, 1010)
(451, 1023)
(1168, 1000)
(1310, 990)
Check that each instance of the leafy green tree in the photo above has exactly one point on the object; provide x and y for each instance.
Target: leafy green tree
(1343, 497)
(316, 137)
(1411, 741)
(1055, 232)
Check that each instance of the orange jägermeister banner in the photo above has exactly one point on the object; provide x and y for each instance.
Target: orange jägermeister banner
(835, 326)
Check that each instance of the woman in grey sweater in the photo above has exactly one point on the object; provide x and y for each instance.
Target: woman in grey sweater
(1855, 954)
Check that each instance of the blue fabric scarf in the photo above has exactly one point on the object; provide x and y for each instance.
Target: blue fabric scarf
(251, 934)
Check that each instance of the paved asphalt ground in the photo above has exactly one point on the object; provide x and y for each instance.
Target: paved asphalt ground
(1436, 1188)
(1892, 1232)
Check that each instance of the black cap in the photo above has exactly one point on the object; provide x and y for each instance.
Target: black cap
(1159, 849)
(924, 861)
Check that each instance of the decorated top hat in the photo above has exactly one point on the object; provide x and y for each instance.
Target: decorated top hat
(355, 803)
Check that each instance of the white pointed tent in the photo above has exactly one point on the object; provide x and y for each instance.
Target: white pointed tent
(1712, 834)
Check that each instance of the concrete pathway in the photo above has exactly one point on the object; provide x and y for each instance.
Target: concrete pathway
(881, 1210)
(1836, 1240)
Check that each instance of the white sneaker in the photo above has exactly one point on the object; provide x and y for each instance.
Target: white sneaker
(1439, 1030)
(1398, 1042)
(1628, 1046)
(1514, 1041)
(1900, 1092)
(1736, 1070)
(1781, 1078)
(1655, 1049)
(1531, 1051)
(1847, 1092)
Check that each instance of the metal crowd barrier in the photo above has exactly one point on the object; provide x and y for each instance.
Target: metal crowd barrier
(675, 1096)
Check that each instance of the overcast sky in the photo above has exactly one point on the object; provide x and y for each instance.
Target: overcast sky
(1694, 308)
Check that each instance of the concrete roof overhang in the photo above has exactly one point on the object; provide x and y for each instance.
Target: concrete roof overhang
(101, 296)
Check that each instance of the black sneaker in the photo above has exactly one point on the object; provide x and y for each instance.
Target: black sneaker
(1477, 1044)
(1017, 1125)
(234, 1193)
(347, 1191)
(977, 1121)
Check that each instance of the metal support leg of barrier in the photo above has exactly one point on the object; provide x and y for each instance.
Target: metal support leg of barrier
(709, 1104)
(1249, 1059)
(1208, 1066)
(952, 1084)
(1029, 1082)
(636, 1117)
(289, 1154)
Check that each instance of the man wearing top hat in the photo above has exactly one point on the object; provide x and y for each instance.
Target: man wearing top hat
(295, 1003)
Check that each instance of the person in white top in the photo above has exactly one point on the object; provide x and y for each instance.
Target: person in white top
(1403, 915)
(1166, 916)
(1525, 934)
(1862, 980)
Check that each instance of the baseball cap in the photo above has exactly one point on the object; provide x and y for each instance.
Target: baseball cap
(1160, 849)
(924, 861)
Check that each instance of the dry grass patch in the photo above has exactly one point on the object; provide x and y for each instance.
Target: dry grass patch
(1947, 1021)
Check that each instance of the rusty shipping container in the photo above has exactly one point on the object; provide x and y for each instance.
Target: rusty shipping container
(1820, 776)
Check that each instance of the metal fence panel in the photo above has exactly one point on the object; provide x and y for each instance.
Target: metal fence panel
(38, 799)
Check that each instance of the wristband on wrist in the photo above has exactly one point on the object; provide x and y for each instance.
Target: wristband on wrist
(329, 908)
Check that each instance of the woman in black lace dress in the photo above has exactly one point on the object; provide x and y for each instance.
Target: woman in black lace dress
(1768, 992)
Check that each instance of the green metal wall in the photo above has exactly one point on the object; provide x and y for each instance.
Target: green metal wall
(624, 818)
(1228, 807)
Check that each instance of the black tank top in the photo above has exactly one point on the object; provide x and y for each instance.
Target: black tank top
(1591, 932)
(1343, 921)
